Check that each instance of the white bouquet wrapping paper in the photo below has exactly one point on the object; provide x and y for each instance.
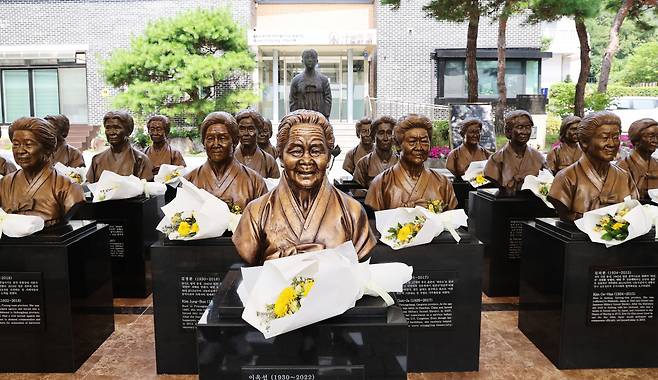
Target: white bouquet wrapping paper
(475, 174)
(77, 175)
(111, 186)
(540, 185)
(15, 225)
(170, 174)
(652, 212)
(638, 217)
(653, 194)
(339, 280)
(271, 183)
(210, 214)
(432, 227)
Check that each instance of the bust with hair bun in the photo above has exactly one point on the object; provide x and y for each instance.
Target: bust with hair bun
(37, 189)
(593, 181)
(383, 157)
(509, 166)
(121, 158)
(304, 212)
(640, 164)
(363, 132)
(222, 175)
(250, 125)
(470, 150)
(408, 183)
(66, 154)
(160, 153)
(568, 151)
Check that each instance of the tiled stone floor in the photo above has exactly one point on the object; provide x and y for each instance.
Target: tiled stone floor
(505, 353)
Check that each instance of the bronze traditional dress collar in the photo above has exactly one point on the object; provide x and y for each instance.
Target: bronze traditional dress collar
(220, 185)
(304, 228)
(26, 202)
(412, 189)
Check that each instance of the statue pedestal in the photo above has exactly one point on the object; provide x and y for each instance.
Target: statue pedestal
(442, 303)
(497, 222)
(186, 276)
(462, 188)
(587, 306)
(132, 225)
(346, 186)
(55, 298)
(170, 194)
(368, 341)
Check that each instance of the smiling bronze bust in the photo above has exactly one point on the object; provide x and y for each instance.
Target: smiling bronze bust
(160, 153)
(37, 189)
(250, 125)
(470, 150)
(121, 158)
(509, 166)
(304, 212)
(592, 182)
(222, 175)
(408, 183)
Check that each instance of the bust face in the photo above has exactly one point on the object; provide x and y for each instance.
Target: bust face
(648, 141)
(603, 146)
(364, 134)
(265, 134)
(218, 143)
(521, 131)
(571, 135)
(248, 132)
(157, 131)
(28, 152)
(384, 137)
(310, 61)
(415, 146)
(115, 132)
(472, 136)
(306, 156)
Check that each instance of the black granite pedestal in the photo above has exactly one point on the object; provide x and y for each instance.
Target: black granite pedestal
(497, 222)
(132, 225)
(587, 306)
(346, 186)
(368, 341)
(170, 194)
(55, 298)
(442, 303)
(186, 276)
(462, 188)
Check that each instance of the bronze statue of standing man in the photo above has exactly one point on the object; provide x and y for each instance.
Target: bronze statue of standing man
(310, 89)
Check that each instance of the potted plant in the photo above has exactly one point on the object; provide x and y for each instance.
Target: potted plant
(437, 157)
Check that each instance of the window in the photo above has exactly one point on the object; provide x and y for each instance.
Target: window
(521, 77)
(44, 91)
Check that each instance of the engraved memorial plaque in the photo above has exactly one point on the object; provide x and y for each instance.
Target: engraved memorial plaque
(515, 234)
(625, 295)
(352, 372)
(427, 300)
(117, 238)
(196, 292)
(21, 300)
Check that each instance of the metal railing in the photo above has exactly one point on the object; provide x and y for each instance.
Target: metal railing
(396, 108)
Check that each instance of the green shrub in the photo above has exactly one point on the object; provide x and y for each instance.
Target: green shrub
(553, 124)
(140, 138)
(441, 133)
(615, 90)
(561, 98)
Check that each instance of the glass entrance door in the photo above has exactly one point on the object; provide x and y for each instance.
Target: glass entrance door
(329, 66)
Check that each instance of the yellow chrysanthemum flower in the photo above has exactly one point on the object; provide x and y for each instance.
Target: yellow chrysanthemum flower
(195, 227)
(479, 179)
(184, 229)
(405, 232)
(307, 287)
(282, 302)
(617, 226)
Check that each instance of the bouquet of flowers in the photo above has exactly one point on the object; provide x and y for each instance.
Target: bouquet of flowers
(407, 227)
(77, 175)
(170, 174)
(295, 291)
(194, 214)
(111, 186)
(15, 225)
(540, 185)
(475, 174)
(616, 224)
(653, 194)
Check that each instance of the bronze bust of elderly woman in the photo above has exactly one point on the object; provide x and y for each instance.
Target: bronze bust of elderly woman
(37, 189)
(380, 159)
(592, 182)
(470, 150)
(222, 175)
(408, 183)
(161, 152)
(64, 153)
(509, 166)
(568, 151)
(304, 212)
(642, 167)
(121, 158)
(250, 125)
